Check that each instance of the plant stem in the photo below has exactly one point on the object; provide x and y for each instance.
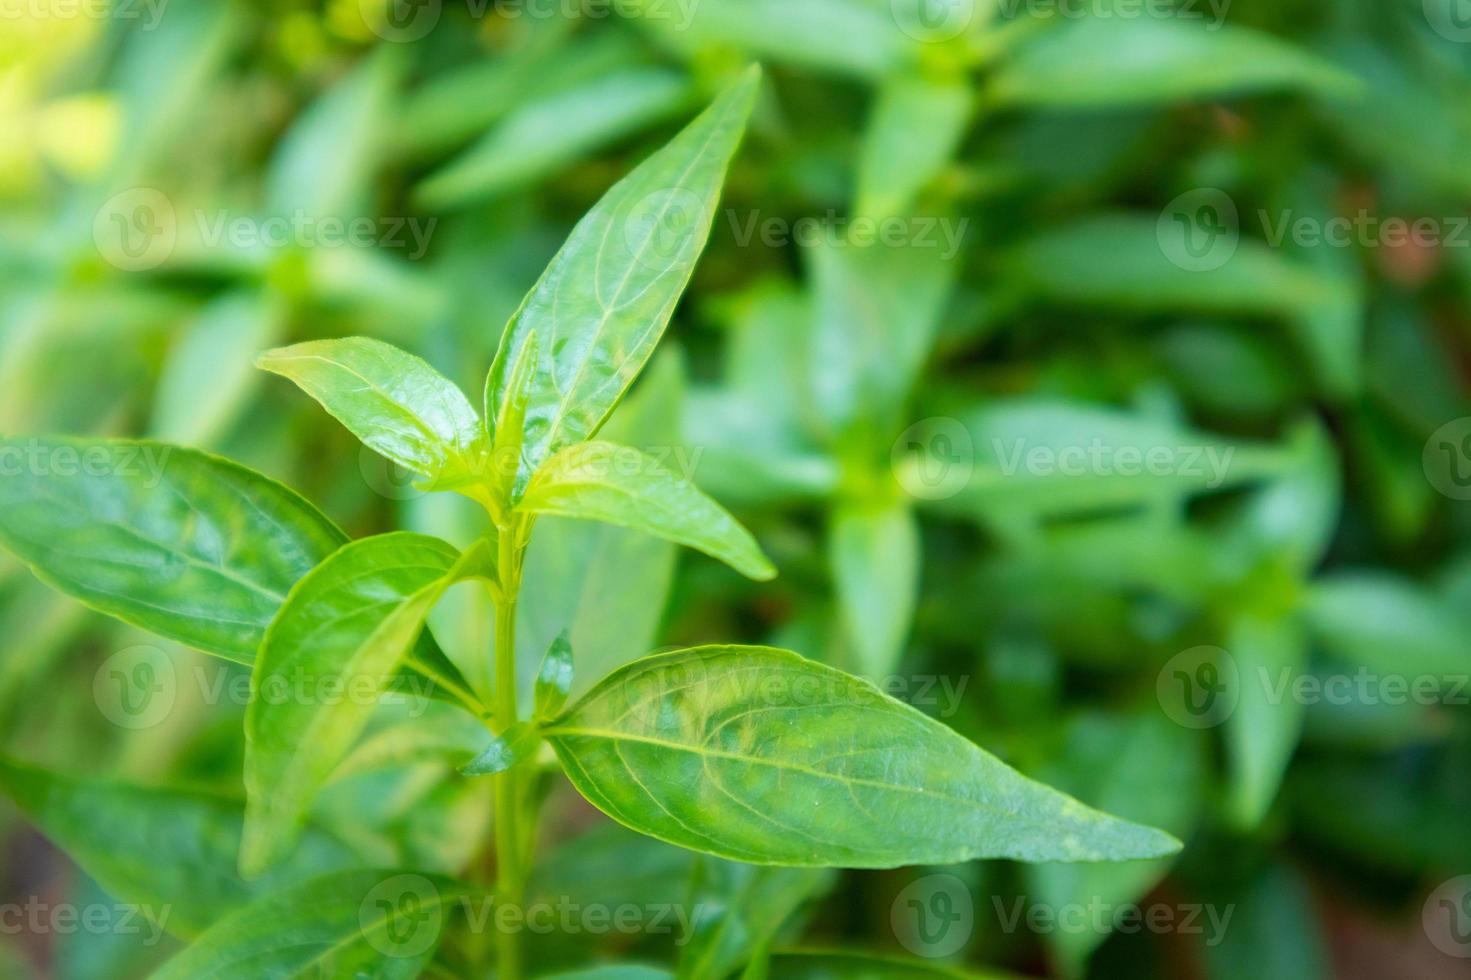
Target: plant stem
(510, 877)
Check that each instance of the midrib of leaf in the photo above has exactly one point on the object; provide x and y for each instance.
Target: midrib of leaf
(563, 403)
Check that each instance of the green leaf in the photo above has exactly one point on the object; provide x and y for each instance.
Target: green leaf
(171, 850)
(757, 755)
(604, 301)
(874, 549)
(1264, 729)
(616, 972)
(739, 910)
(541, 137)
(178, 542)
(877, 308)
(517, 744)
(508, 476)
(620, 485)
(554, 680)
(394, 402)
(325, 162)
(341, 633)
(916, 126)
(1388, 624)
(1141, 766)
(207, 378)
(379, 924)
(1098, 62)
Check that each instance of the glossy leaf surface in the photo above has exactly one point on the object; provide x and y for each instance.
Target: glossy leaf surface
(619, 485)
(702, 748)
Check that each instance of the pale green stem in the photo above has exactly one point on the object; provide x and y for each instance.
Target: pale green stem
(510, 876)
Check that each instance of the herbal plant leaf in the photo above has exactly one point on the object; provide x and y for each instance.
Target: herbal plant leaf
(176, 541)
(1098, 62)
(343, 632)
(554, 679)
(171, 850)
(620, 485)
(380, 924)
(508, 477)
(1263, 731)
(874, 550)
(517, 744)
(394, 402)
(916, 125)
(758, 755)
(740, 910)
(603, 303)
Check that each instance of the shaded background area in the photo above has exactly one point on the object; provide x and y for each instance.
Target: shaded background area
(1095, 374)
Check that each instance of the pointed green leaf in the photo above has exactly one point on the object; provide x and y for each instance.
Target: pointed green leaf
(512, 747)
(394, 402)
(328, 656)
(171, 850)
(620, 485)
(1263, 730)
(874, 551)
(603, 303)
(1119, 61)
(541, 137)
(758, 755)
(508, 476)
(379, 924)
(915, 129)
(554, 680)
(184, 544)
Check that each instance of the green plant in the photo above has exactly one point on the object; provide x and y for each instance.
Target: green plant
(748, 754)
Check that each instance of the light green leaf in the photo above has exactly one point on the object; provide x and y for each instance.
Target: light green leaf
(344, 629)
(739, 910)
(1142, 766)
(171, 850)
(1388, 624)
(554, 679)
(836, 965)
(603, 303)
(620, 485)
(874, 550)
(1264, 729)
(877, 307)
(379, 924)
(325, 162)
(517, 744)
(702, 748)
(915, 128)
(184, 544)
(208, 377)
(508, 477)
(1098, 62)
(541, 137)
(394, 402)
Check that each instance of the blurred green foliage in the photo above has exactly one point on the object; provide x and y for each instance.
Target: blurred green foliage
(1140, 396)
